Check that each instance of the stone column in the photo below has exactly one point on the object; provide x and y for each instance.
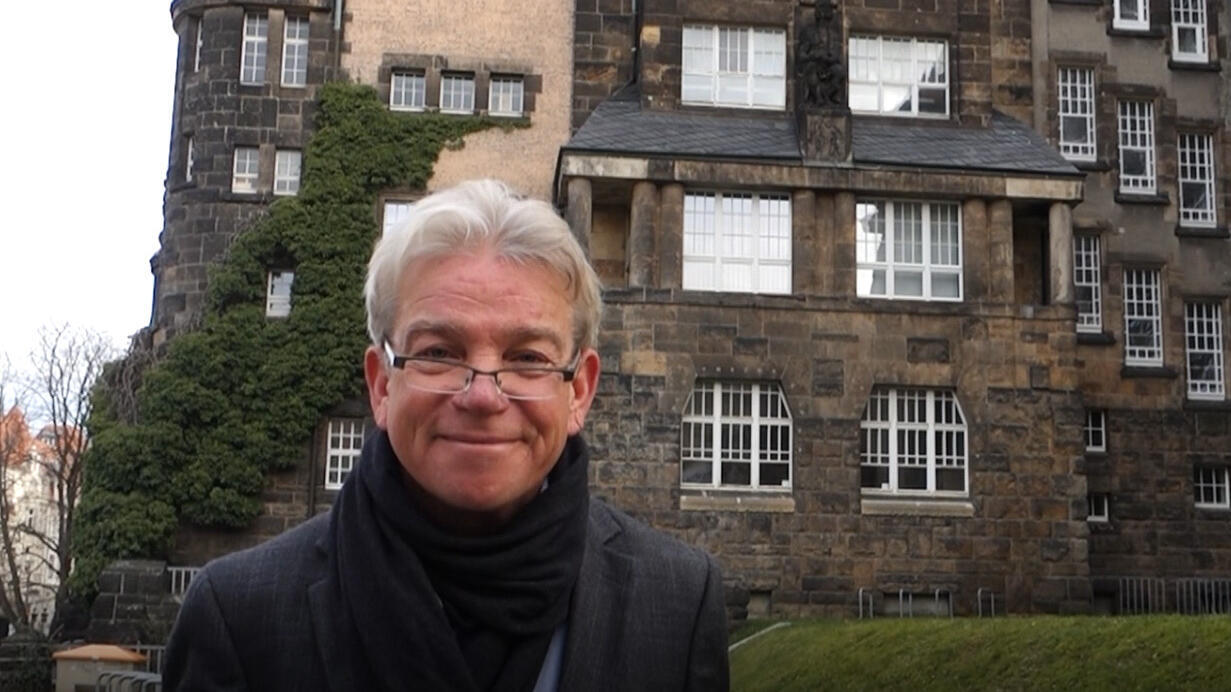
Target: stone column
(1000, 251)
(580, 211)
(805, 273)
(642, 218)
(841, 244)
(1060, 253)
(975, 236)
(671, 236)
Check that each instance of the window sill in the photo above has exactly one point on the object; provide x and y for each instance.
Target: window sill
(1096, 454)
(1096, 338)
(1207, 405)
(1152, 32)
(1135, 372)
(923, 507)
(1097, 166)
(1185, 66)
(1202, 232)
(745, 501)
(253, 197)
(1137, 198)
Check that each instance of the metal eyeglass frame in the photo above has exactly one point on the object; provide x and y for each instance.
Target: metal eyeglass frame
(399, 362)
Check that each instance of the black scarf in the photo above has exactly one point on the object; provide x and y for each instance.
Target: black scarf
(427, 610)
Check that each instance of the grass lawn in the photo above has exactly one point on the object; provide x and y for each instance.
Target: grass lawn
(1007, 653)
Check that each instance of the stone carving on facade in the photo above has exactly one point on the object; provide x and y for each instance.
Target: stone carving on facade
(818, 60)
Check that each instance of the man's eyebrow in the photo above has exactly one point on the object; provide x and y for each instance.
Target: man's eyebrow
(520, 334)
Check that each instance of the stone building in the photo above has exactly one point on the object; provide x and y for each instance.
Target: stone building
(905, 299)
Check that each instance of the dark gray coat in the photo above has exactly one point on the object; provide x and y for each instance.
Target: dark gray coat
(647, 614)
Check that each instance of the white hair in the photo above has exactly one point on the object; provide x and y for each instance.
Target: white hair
(482, 215)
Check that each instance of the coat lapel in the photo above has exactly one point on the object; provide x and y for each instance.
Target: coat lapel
(593, 653)
(327, 624)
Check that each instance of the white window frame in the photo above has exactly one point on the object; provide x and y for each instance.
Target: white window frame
(188, 159)
(1136, 128)
(1203, 340)
(343, 445)
(1143, 322)
(883, 247)
(288, 167)
(393, 213)
(198, 43)
(457, 92)
(1098, 507)
(245, 170)
(756, 427)
(883, 431)
(1088, 281)
(872, 70)
(1076, 97)
(1196, 162)
(279, 286)
(737, 242)
(1189, 16)
(295, 51)
(1095, 430)
(1211, 487)
(1130, 17)
(506, 95)
(407, 91)
(255, 49)
(731, 66)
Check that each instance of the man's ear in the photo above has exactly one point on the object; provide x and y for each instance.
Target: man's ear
(584, 386)
(376, 373)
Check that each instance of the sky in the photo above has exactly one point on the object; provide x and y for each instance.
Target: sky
(86, 124)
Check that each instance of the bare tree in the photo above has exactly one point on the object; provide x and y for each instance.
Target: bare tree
(37, 545)
(14, 453)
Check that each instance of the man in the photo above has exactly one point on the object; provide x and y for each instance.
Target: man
(464, 552)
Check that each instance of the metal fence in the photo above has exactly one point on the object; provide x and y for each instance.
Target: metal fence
(181, 577)
(129, 681)
(1203, 596)
(154, 654)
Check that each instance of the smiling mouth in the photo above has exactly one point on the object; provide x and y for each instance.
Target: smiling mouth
(471, 440)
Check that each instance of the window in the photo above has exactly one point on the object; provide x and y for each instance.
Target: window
(1137, 147)
(737, 242)
(899, 76)
(736, 435)
(188, 159)
(457, 93)
(278, 294)
(342, 449)
(734, 66)
(407, 91)
(1196, 180)
(295, 52)
(1099, 507)
(1096, 430)
(1210, 487)
(1076, 87)
(286, 172)
(913, 441)
(1132, 14)
(395, 213)
(1188, 31)
(1143, 328)
(505, 96)
(247, 167)
(1203, 338)
(256, 42)
(908, 250)
(1088, 282)
(196, 51)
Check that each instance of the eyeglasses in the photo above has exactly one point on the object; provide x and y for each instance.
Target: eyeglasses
(447, 376)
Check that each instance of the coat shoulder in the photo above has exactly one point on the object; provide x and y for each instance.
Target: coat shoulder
(653, 549)
(291, 556)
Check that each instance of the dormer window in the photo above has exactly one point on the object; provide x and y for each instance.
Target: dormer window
(734, 66)
(899, 76)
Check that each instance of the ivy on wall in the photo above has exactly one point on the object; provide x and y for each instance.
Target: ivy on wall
(242, 394)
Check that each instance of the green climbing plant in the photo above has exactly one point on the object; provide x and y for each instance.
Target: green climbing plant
(241, 395)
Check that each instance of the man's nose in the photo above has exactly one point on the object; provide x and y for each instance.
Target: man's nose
(483, 394)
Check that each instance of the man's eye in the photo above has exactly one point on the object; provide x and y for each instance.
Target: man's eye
(436, 352)
(529, 358)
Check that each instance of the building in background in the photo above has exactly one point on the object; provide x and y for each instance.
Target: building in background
(914, 300)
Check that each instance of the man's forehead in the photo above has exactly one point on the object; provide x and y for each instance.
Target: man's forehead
(459, 329)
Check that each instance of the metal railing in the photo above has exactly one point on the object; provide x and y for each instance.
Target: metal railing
(128, 681)
(1203, 596)
(1142, 595)
(154, 654)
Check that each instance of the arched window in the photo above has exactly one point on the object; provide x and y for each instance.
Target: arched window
(736, 435)
(913, 441)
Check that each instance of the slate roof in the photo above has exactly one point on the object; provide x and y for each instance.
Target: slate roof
(619, 125)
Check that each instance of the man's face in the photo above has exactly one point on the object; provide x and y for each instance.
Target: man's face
(479, 456)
